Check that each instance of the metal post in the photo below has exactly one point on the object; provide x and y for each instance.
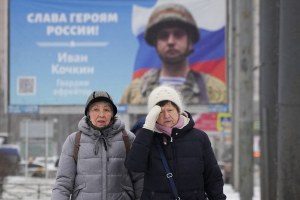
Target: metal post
(3, 67)
(46, 148)
(26, 146)
(39, 191)
(289, 101)
(269, 50)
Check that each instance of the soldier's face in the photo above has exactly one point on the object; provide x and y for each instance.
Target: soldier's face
(172, 44)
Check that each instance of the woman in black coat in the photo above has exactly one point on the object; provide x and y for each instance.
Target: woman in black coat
(188, 152)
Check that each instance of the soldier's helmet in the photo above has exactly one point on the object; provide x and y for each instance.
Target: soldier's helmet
(171, 15)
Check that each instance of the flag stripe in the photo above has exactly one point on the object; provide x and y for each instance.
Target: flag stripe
(208, 56)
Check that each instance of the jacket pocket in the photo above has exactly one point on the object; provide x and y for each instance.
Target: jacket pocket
(127, 186)
(128, 192)
(76, 190)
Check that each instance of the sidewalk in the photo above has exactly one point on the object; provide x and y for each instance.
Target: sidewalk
(233, 195)
(22, 186)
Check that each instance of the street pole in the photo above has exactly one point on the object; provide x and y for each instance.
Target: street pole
(233, 87)
(243, 98)
(3, 67)
(26, 147)
(269, 50)
(46, 147)
(288, 184)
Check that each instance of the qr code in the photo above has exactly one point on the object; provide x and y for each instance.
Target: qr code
(26, 85)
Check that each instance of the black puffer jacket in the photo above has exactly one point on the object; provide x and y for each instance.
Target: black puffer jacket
(190, 157)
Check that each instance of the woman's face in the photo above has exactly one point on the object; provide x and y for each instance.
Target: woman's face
(100, 114)
(168, 116)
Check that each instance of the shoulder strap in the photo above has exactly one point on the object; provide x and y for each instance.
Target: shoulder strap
(77, 143)
(76, 146)
(203, 92)
(126, 140)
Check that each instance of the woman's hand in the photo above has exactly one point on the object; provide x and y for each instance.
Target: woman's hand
(152, 117)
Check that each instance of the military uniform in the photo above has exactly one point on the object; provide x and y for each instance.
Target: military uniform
(198, 88)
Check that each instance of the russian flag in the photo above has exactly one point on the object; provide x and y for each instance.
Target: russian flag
(209, 54)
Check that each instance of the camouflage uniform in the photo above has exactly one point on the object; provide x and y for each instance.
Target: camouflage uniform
(197, 89)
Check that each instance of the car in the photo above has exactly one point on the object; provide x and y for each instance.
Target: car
(9, 159)
(39, 167)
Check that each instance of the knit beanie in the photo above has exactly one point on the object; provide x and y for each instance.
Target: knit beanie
(163, 93)
(99, 96)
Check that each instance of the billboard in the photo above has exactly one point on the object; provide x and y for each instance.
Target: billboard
(62, 50)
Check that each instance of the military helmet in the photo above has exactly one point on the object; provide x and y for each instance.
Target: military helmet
(168, 15)
(99, 96)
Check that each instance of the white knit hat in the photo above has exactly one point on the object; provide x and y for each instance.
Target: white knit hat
(163, 93)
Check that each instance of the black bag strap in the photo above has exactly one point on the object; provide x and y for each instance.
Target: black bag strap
(76, 146)
(167, 168)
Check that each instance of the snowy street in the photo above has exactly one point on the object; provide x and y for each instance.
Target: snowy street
(232, 195)
(40, 189)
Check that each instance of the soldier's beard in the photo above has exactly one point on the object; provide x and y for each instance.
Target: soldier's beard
(176, 60)
(173, 60)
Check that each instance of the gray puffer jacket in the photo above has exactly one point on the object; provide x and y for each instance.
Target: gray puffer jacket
(100, 173)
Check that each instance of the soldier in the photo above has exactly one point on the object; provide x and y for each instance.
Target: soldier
(172, 30)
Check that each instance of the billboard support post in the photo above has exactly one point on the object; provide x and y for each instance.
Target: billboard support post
(26, 146)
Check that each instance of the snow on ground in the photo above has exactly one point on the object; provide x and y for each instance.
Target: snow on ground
(26, 189)
(233, 195)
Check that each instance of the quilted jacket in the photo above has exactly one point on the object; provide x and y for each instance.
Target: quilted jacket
(99, 173)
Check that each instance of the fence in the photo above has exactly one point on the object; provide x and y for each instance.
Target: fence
(20, 188)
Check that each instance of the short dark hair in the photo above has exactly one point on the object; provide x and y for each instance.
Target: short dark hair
(162, 103)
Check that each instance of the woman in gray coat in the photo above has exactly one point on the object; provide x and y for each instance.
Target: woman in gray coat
(99, 172)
